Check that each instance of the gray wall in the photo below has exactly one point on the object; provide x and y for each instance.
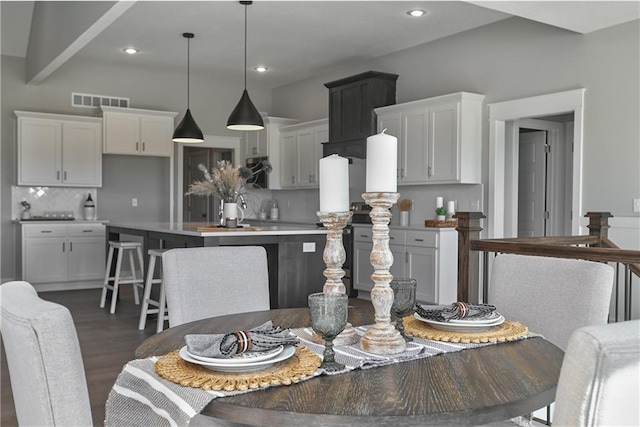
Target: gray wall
(516, 58)
(124, 177)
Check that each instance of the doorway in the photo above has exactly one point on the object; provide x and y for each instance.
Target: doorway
(502, 209)
(544, 175)
(201, 209)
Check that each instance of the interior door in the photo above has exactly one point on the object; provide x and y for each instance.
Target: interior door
(532, 194)
(196, 209)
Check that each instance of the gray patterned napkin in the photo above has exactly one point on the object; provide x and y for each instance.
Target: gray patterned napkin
(457, 310)
(261, 338)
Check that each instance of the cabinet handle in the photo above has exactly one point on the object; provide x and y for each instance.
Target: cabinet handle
(428, 170)
(65, 176)
(406, 257)
(419, 240)
(62, 246)
(391, 238)
(363, 235)
(58, 175)
(137, 145)
(293, 179)
(254, 150)
(45, 231)
(402, 175)
(70, 246)
(87, 231)
(143, 147)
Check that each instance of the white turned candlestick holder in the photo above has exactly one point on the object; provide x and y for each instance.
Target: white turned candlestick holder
(382, 337)
(334, 257)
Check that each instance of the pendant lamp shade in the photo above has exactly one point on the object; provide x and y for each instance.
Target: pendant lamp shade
(245, 116)
(187, 130)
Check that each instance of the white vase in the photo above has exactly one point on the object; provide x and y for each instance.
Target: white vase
(441, 217)
(404, 218)
(233, 211)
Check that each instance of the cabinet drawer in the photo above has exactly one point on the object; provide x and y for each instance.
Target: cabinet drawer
(397, 237)
(426, 239)
(362, 234)
(86, 230)
(45, 230)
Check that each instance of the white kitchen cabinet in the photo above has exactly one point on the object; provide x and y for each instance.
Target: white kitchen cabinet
(256, 143)
(439, 139)
(429, 256)
(301, 150)
(59, 150)
(58, 254)
(138, 132)
(266, 142)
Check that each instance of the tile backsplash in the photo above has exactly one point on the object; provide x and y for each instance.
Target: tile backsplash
(45, 199)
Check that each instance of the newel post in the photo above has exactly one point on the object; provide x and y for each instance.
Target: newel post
(599, 225)
(468, 262)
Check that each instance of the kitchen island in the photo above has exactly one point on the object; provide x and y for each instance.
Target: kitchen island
(294, 253)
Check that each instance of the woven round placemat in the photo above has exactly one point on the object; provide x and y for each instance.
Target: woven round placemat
(298, 367)
(508, 331)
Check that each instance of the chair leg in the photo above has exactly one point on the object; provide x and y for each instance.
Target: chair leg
(132, 265)
(162, 306)
(116, 282)
(147, 294)
(103, 298)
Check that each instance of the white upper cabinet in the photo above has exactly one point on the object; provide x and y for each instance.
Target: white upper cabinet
(301, 150)
(138, 132)
(59, 150)
(266, 142)
(439, 139)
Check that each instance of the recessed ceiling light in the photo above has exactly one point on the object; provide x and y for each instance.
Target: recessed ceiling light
(130, 50)
(261, 69)
(416, 13)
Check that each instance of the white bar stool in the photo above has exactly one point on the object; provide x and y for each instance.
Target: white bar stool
(161, 304)
(130, 247)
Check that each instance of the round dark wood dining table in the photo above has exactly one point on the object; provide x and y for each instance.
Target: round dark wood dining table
(469, 387)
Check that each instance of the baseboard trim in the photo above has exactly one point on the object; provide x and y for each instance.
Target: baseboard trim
(67, 286)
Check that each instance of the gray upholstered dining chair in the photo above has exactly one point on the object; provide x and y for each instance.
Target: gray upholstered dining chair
(599, 381)
(552, 296)
(43, 355)
(214, 281)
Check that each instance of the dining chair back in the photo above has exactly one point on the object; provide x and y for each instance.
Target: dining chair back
(43, 355)
(551, 296)
(599, 381)
(214, 281)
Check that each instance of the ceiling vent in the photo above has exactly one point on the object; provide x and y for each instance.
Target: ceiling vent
(87, 100)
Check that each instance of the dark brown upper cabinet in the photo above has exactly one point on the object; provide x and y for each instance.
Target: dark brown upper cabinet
(351, 116)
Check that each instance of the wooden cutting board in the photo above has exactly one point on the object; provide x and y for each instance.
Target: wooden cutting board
(217, 228)
(441, 224)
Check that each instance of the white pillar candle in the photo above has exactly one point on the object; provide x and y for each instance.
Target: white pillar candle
(439, 202)
(334, 184)
(382, 164)
(451, 207)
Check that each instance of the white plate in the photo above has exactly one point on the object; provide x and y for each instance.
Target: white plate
(447, 326)
(288, 351)
(247, 357)
(491, 320)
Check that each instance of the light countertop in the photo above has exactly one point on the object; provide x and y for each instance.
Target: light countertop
(191, 229)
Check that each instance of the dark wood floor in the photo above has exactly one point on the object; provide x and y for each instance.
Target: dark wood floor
(107, 343)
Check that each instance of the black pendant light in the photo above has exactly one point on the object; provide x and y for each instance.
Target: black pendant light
(245, 116)
(188, 131)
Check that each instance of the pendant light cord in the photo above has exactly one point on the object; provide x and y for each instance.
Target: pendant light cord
(188, 71)
(245, 46)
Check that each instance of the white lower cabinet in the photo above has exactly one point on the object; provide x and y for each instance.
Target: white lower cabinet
(429, 256)
(62, 253)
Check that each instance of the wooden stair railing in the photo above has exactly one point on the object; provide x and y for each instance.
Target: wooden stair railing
(595, 247)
